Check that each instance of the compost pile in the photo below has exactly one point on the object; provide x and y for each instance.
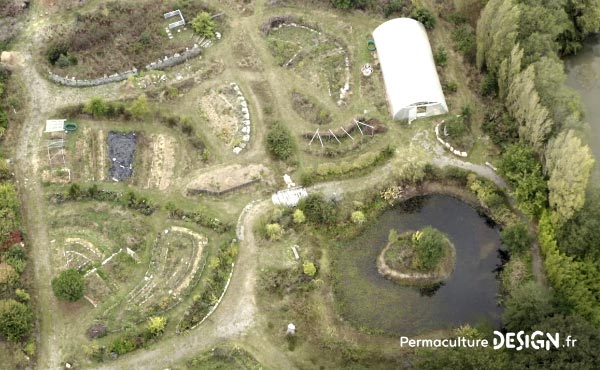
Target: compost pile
(121, 149)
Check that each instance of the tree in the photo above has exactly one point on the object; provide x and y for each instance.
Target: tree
(68, 285)
(569, 163)
(497, 31)
(139, 108)
(204, 25)
(97, 107)
(524, 173)
(299, 217)
(584, 355)
(280, 142)
(274, 231)
(462, 357)
(580, 236)
(16, 319)
(509, 69)
(523, 102)
(563, 103)
(358, 217)
(318, 210)
(429, 248)
(527, 306)
(309, 269)
(156, 325)
(424, 16)
(516, 238)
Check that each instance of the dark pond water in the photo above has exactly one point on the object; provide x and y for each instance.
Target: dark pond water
(372, 302)
(583, 75)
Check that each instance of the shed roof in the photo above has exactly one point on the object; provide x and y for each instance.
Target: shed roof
(407, 64)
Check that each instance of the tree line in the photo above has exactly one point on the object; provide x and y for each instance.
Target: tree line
(518, 45)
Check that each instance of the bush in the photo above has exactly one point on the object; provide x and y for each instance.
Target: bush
(299, 216)
(274, 231)
(318, 210)
(68, 285)
(527, 306)
(96, 107)
(449, 87)
(280, 142)
(429, 248)
(440, 57)
(16, 320)
(516, 238)
(204, 25)
(156, 325)
(358, 217)
(464, 38)
(55, 51)
(424, 16)
(309, 269)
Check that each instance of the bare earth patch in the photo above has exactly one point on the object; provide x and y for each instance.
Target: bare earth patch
(227, 178)
(163, 162)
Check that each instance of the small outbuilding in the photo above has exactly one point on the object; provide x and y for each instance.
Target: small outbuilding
(411, 81)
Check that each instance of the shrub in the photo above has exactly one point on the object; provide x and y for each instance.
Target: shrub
(22, 295)
(55, 51)
(97, 107)
(309, 269)
(516, 238)
(156, 325)
(16, 319)
(299, 216)
(424, 16)
(204, 25)
(274, 231)
(449, 87)
(139, 108)
(429, 248)
(16, 257)
(440, 57)
(527, 306)
(68, 285)
(280, 142)
(358, 217)
(318, 210)
(464, 38)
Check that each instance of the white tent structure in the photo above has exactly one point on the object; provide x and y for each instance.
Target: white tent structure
(411, 80)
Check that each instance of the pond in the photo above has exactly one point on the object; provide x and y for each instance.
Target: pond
(372, 302)
(583, 75)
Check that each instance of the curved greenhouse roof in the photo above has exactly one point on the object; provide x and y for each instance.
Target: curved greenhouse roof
(411, 80)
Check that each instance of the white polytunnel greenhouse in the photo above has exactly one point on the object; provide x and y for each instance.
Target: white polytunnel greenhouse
(411, 81)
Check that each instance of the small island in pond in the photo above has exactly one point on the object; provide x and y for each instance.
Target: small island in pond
(423, 257)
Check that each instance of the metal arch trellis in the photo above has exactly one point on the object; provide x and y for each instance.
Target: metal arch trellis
(356, 122)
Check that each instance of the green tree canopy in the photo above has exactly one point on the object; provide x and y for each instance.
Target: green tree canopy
(516, 238)
(280, 142)
(204, 25)
(68, 285)
(569, 163)
(429, 248)
(16, 319)
(527, 306)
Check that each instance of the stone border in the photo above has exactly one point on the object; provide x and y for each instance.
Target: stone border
(447, 144)
(411, 278)
(160, 64)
